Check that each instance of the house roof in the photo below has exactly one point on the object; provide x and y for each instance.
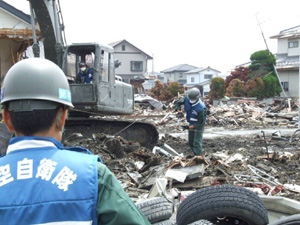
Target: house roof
(7, 7)
(293, 32)
(198, 70)
(283, 61)
(198, 84)
(114, 44)
(179, 68)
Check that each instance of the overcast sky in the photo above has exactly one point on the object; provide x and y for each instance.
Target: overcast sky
(217, 33)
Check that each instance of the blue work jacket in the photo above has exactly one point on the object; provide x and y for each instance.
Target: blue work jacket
(42, 182)
(87, 75)
(192, 110)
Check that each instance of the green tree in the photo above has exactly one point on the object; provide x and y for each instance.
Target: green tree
(217, 88)
(271, 85)
(175, 88)
(262, 63)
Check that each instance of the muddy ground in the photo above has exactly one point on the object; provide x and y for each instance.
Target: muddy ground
(247, 160)
(280, 166)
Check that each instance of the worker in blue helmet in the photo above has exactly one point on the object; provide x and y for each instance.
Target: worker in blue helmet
(196, 117)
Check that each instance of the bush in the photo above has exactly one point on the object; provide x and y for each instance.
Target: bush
(255, 88)
(160, 92)
(235, 88)
(271, 85)
(217, 88)
(175, 88)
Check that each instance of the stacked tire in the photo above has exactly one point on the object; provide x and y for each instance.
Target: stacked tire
(223, 204)
(157, 210)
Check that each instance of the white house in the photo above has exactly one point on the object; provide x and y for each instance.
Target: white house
(287, 59)
(201, 78)
(133, 60)
(177, 73)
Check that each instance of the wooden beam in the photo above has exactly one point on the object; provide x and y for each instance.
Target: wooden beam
(18, 32)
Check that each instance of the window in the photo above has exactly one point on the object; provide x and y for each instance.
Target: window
(104, 66)
(285, 86)
(192, 79)
(293, 43)
(136, 65)
(123, 48)
(71, 65)
(180, 75)
(205, 93)
(207, 76)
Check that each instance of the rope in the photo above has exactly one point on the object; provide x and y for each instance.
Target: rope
(92, 113)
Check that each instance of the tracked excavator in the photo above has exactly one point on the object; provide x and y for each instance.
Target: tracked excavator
(104, 96)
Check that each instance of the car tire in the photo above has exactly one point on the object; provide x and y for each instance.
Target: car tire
(289, 220)
(223, 202)
(156, 209)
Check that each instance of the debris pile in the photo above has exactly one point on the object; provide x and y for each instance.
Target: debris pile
(235, 114)
(267, 164)
(245, 162)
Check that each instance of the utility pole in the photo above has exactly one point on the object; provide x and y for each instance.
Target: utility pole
(299, 83)
(152, 64)
(274, 67)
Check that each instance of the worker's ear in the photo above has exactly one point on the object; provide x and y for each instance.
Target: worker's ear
(61, 119)
(7, 120)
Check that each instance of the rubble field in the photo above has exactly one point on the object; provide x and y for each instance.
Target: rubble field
(265, 160)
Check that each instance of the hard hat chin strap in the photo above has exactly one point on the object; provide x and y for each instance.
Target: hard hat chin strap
(57, 124)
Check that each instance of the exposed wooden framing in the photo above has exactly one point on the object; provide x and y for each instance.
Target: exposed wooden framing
(18, 32)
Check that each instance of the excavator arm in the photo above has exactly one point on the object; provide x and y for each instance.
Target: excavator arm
(46, 13)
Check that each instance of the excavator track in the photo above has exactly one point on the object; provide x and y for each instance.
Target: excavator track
(144, 133)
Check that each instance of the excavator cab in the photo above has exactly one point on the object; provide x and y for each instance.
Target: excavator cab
(105, 94)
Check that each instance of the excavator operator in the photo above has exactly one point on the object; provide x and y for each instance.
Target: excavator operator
(85, 74)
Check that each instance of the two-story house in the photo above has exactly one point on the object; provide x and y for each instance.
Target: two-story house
(287, 59)
(201, 78)
(133, 61)
(15, 36)
(177, 73)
